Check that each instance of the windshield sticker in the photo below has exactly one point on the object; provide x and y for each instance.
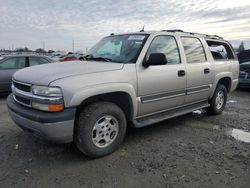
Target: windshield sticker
(136, 37)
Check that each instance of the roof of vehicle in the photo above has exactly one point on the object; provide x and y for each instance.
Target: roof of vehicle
(178, 32)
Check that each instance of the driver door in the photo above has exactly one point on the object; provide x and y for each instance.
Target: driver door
(161, 87)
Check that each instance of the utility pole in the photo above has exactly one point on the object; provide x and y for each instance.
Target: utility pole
(43, 45)
(73, 45)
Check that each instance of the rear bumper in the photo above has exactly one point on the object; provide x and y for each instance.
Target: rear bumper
(57, 127)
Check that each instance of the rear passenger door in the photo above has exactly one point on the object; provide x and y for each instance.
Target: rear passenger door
(199, 70)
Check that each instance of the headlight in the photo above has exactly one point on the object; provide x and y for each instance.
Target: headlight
(47, 91)
(53, 98)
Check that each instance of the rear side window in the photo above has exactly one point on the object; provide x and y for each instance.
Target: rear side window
(193, 49)
(37, 61)
(220, 50)
(13, 63)
(166, 45)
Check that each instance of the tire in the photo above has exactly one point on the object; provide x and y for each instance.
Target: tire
(218, 101)
(100, 129)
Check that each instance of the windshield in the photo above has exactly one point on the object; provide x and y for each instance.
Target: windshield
(118, 48)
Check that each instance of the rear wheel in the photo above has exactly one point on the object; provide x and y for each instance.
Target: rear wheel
(218, 101)
(100, 129)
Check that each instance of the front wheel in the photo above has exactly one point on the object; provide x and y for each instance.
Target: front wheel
(100, 129)
(218, 101)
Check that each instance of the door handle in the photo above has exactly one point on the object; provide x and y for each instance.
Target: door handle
(206, 71)
(181, 73)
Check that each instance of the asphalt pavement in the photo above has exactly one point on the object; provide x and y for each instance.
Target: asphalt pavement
(195, 150)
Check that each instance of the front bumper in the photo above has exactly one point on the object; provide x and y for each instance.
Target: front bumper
(57, 127)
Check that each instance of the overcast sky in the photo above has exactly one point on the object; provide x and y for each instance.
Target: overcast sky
(56, 23)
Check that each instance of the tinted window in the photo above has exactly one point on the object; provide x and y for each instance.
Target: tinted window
(166, 45)
(193, 49)
(13, 63)
(37, 61)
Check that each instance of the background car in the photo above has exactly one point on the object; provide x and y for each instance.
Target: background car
(244, 80)
(10, 64)
(68, 58)
(244, 60)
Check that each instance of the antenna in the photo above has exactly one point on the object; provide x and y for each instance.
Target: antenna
(142, 30)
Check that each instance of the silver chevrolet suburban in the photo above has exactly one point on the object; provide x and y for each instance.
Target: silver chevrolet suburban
(135, 79)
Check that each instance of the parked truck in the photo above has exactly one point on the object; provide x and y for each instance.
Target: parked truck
(134, 79)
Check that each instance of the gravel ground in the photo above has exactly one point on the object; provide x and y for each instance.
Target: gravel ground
(188, 151)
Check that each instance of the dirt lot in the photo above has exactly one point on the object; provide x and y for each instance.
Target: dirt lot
(189, 151)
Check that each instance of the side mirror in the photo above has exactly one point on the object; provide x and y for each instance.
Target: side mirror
(155, 59)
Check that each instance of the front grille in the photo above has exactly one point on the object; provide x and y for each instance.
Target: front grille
(22, 87)
(22, 100)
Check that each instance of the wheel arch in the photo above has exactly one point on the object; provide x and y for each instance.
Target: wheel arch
(121, 99)
(122, 95)
(225, 79)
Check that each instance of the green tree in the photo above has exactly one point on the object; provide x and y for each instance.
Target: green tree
(40, 50)
(241, 47)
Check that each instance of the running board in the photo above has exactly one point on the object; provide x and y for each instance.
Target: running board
(152, 119)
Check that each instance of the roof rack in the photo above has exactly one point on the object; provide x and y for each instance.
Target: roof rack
(192, 33)
(174, 30)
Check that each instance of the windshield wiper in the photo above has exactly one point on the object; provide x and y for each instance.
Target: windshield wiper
(87, 57)
(99, 58)
(91, 57)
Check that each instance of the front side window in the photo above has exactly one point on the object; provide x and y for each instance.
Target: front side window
(13, 63)
(166, 45)
(194, 50)
(118, 48)
(37, 61)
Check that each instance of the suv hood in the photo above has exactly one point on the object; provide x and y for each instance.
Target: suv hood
(45, 74)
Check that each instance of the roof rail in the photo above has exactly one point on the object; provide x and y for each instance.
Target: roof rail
(213, 37)
(192, 33)
(173, 30)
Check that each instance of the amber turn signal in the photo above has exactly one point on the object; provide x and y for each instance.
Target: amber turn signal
(55, 107)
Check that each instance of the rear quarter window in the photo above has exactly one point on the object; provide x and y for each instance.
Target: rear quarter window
(13, 63)
(220, 50)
